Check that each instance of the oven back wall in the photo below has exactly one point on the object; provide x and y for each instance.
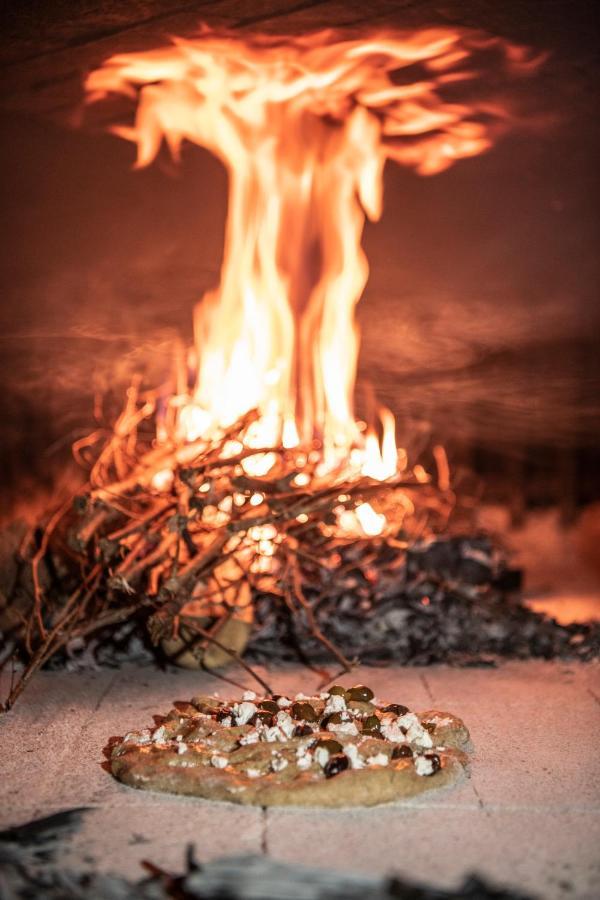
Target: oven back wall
(480, 313)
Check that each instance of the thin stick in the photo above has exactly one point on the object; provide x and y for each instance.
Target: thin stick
(193, 626)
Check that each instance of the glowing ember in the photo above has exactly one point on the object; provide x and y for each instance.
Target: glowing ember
(304, 126)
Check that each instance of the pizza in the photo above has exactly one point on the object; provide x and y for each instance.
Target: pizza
(340, 747)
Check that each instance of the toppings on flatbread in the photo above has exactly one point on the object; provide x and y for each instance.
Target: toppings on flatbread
(340, 747)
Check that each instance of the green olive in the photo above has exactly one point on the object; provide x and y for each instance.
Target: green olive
(360, 692)
(336, 718)
(337, 689)
(269, 705)
(330, 745)
(304, 711)
(371, 723)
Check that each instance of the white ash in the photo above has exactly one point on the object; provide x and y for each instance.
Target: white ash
(218, 761)
(243, 712)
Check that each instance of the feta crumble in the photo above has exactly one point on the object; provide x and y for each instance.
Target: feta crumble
(283, 702)
(322, 756)
(279, 763)
(335, 703)
(285, 723)
(251, 738)
(218, 761)
(423, 766)
(243, 712)
(354, 757)
(182, 748)
(159, 736)
(343, 727)
(378, 759)
(249, 695)
(253, 773)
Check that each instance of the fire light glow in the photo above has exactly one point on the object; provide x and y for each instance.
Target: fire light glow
(304, 126)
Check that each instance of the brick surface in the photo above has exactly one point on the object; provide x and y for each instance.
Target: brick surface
(528, 816)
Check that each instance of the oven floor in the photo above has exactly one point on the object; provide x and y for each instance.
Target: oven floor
(528, 818)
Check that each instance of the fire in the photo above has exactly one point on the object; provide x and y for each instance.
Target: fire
(304, 126)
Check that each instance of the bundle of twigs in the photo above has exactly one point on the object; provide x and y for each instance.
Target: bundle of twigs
(180, 534)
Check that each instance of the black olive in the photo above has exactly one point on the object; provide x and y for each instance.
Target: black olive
(269, 705)
(335, 765)
(401, 752)
(336, 718)
(395, 708)
(223, 713)
(302, 730)
(371, 723)
(436, 763)
(330, 745)
(304, 711)
(263, 716)
(359, 692)
(337, 689)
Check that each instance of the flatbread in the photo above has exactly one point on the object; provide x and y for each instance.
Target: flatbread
(336, 749)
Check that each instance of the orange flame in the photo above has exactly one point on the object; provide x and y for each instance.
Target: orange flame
(304, 126)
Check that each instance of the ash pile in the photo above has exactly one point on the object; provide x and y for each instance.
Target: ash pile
(453, 600)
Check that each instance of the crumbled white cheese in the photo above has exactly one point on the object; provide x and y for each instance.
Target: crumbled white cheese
(218, 761)
(322, 756)
(436, 720)
(251, 738)
(378, 759)
(324, 695)
(302, 696)
(343, 727)
(243, 712)
(356, 760)
(226, 721)
(304, 762)
(272, 734)
(416, 734)
(249, 695)
(408, 720)
(283, 702)
(392, 732)
(278, 763)
(159, 736)
(182, 748)
(285, 723)
(335, 703)
(253, 773)
(423, 766)
(138, 737)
